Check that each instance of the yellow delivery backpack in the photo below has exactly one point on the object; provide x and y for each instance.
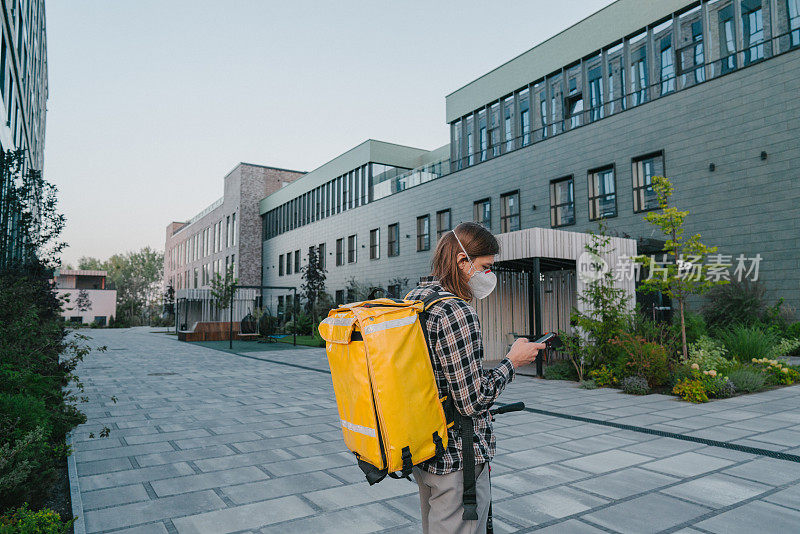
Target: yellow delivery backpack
(389, 407)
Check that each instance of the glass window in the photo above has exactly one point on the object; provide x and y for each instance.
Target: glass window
(443, 223)
(340, 251)
(643, 170)
(602, 193)
(321, 253)
(351, 249)
(394, 239)
(280, 265)
(339, 296)
(375, 244)
(455, 139)
(793, 11)
(423, 233)
(525, 117)
(638, 69)
(727, 39)
(556, 104)
(562, 202)
(288, 263)
(752, 30)
(482, 133)
(508, 123)
(667, 66)
(482, 212)
(297, 261)
(494, 128)
(596, 93)
(509, 212)
(470, 140)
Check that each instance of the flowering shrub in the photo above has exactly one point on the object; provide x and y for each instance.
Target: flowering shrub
(643, 358)
(635, 385)
(25, 521)
(603, 376)
(691, 389)
(708, 354)
(775, 372)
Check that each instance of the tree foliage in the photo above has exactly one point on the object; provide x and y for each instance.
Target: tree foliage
(313, 288)
(222, 288)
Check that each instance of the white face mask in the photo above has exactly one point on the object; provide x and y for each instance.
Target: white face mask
(481, 283)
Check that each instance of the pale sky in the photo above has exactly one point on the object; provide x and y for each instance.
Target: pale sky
(153, 102)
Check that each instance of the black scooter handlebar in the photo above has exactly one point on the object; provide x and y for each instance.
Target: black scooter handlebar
(513, 407)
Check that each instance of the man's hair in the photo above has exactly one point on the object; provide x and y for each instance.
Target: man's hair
(477, 241)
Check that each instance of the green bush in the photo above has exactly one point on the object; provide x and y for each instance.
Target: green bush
(719, 387)
(738, 302)
(643, 358)
(560, 370)
(604, 376)
(588, 384)
(25, 521)
(691, 389)
(695, 326)
(747, 379)
(708, 354)
(635, 385)
(745, 342)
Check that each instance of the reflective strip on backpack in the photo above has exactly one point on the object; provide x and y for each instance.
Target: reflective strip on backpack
(367, 431)
(394, 323)
(339, 321)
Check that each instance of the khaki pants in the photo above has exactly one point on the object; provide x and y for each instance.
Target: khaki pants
(440, 499)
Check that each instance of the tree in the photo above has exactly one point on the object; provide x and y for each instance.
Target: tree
(313, 283)
(222, 288)
(169, 301)
(83, 302)
(683, 272)
(606, 311)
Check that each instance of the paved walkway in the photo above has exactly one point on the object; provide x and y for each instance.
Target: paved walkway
(203, 441)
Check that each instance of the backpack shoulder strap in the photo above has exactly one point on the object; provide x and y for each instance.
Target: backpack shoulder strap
(433, 298)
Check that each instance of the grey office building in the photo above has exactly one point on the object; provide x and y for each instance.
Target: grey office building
(572, 131)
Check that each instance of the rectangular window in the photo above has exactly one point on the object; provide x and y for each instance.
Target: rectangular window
(482, 212)
(296, 261)
(793, 12)
(321, 253)
(375, 244)
(227, 231)
(423, 233)
(288, 263)
(351, 249)
(280, 265)
(482, 133)
(667, 66)
(394, 239)
(443, 223)
(602, 193)
(752, 31)
(494, 129)
(596, 93)
(470, 140)
(455, 139)
(234, 230)
(393, 291)
(727, 39)
(280, 310)
(643, 170)
(339, 297)
(639, 72)
(340, 251)
(562, 202)
(525, 117)
(508, 123)
(509, 212)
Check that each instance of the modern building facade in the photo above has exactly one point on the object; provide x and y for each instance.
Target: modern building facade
(86, 297)
(23, 95)
(573, 131)
(228, 232)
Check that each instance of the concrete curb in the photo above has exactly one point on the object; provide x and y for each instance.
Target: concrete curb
(79, 527)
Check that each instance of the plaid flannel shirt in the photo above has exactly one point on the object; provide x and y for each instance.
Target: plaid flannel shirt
(454, 336)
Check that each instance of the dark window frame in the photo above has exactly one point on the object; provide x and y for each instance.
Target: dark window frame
(352, 251)
(394, 244)
(424, 240)
(375, 244)
(555, 207)
(439, 230)
(280, 265)
(589, 177)
(340, 252)
(476, 211)
(504, 217)
(635, 188)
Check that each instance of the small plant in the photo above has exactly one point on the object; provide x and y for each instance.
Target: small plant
(25, 521)
(560, 370)
(738, 302)
(785, 347)
(708, 354)
(720, 387)
(747, 342)
(775, 372)
(691, 389)
(635, 385)
(604, 376)
(643, 358)
(588, 384)
(747, 379)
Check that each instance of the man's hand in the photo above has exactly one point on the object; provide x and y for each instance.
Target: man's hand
(524, 352)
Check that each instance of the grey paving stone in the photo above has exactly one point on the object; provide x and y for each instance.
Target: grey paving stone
(161, 458)
(687, 464)
(218, 479)
(313, 463)
(359, 520)
(216, 440)
(120, 452)
(103, 466)
(546, 505)
(536, 478)
(595, 443)
(650, 513)
(151, 528)
(153, 510)
(248, 516)
(132, 476)
(789, 497)
(789, 438)
(274, 443)
(113, 496)
(539, 456)
(767, 471)
(362, 493)
(279, 487)
(602, 462)
(166, 436)
(242, 460)
(625, 483)
(754, 516)
(570, 526)
(717, 490)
